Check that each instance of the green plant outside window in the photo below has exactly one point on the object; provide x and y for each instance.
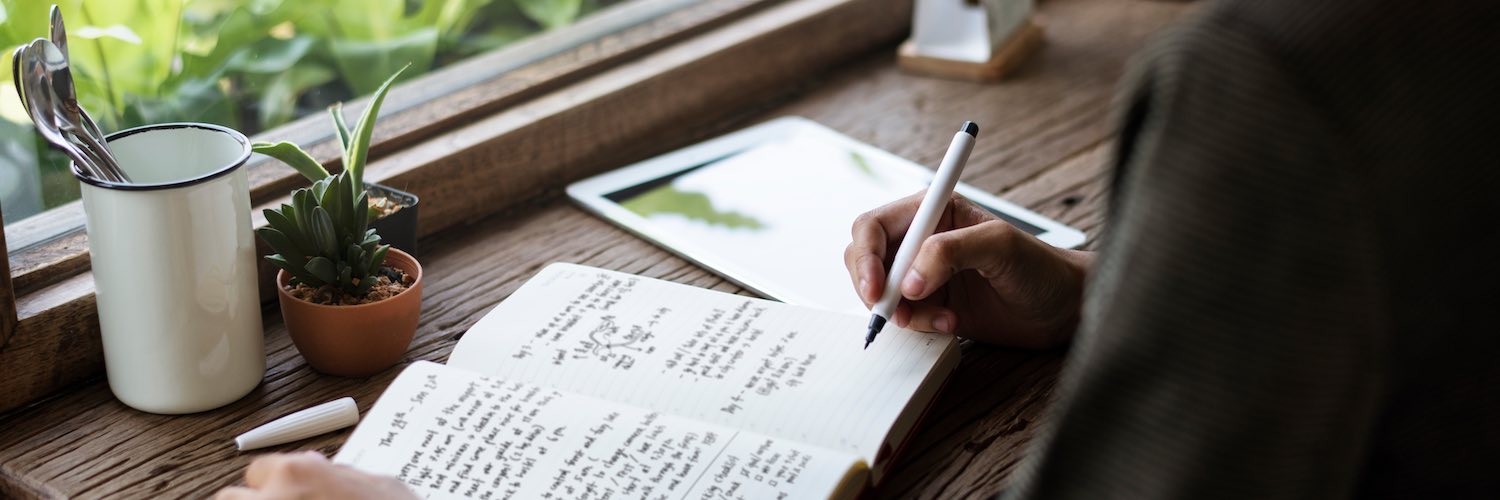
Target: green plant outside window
(246, 64)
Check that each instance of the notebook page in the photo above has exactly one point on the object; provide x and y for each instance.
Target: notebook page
(451, 433)
(746, 363)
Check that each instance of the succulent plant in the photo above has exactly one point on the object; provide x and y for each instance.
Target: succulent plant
(322, 238)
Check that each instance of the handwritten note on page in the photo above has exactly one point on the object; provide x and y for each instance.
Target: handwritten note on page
(451, 433)
(767, 367)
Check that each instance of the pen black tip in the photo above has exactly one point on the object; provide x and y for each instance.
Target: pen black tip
(876, 324)
(971, 129)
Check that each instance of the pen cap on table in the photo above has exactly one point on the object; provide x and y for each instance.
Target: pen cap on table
(174, 269)
(326, 417)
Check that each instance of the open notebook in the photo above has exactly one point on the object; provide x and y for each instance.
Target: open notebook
(594, 383)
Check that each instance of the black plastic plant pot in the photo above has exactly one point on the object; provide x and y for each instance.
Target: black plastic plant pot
(398, 229)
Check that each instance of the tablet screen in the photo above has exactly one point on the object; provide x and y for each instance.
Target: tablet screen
(783, 207)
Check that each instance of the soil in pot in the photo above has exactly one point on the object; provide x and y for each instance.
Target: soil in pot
(390, 283)
(382, 205)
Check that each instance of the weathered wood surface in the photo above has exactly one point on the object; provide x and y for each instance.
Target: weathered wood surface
(8, 316)
(1046, 139)
(526, 152)
(52, 246)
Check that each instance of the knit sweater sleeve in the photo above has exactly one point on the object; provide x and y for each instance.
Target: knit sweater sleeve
(1232, 327)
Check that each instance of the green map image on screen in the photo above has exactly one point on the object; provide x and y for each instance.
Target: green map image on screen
(667, 199)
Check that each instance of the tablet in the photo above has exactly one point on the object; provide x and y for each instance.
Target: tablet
(770, 207)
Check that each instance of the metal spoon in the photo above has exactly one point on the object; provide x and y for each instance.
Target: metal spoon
(40, 107)
(70, 117)
(64, 77)
(59, 34)
(15, 71)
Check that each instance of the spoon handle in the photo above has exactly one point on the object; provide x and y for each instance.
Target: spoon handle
(110, 167)
(99, 145)
(92, 129)
(15, 73)
(86, 161)
(83, 162)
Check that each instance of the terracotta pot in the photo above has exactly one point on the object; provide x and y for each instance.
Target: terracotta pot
(355, 341)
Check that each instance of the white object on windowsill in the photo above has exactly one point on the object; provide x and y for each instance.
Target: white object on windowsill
(324, 418)
(974, 40)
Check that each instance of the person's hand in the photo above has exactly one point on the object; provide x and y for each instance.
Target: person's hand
(976, 276)
(309, 475)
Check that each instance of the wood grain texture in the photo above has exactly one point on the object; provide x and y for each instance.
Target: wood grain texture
(55, 246)
(530, 150)
(7, 298)
(538, 147)
(65, 255)
(1045, 145)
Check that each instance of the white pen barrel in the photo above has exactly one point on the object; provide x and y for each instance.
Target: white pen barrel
(939, 191)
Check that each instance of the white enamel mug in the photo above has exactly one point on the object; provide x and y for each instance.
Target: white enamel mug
(174, 269)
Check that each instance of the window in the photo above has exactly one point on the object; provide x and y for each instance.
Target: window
(254, 65)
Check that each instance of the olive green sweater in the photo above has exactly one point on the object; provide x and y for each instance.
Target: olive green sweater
(1298, 293)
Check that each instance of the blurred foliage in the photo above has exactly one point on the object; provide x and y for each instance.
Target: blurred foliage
(246, 64)
(669, 200)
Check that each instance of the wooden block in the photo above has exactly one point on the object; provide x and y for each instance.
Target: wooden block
(1006, 58)
(8, 321)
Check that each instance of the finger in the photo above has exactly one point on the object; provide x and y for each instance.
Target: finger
(267, 468)
(237, 493)
(259, 472)
(895, 217)
(982, 247)
(964, 213)
(928, 317)
(864, 259)
(872, 279)
(875, 234)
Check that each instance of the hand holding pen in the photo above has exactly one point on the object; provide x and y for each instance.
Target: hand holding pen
(939, 191)
(975, 276)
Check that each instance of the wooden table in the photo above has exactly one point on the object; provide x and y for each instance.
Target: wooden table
(1045, 144)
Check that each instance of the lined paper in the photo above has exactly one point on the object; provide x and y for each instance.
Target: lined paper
(451, 433)
(744, 363)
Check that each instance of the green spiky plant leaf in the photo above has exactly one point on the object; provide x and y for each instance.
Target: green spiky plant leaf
(293, 156)
(325, 241)
(336, 111)
(358, 148)
(322, 238)
(353, 142)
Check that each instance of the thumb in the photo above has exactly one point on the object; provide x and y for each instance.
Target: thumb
(982, 247)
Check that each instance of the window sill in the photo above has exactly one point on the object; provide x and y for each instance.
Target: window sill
(52, 246)
(521, 136)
